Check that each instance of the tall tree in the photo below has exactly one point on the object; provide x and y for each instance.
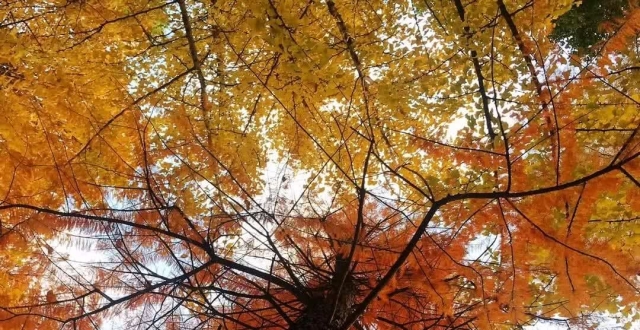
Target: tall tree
(336, 164)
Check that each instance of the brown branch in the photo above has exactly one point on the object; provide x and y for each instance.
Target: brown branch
(451, 198)
(393, 269)
(536, 82)
(193, 51)
(478, 70)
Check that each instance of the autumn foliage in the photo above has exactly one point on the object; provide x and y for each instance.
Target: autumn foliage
(322, 164)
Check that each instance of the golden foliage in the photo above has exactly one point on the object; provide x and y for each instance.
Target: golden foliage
(287, 164)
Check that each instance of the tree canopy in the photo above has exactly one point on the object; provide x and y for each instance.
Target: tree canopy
(320, 164)
(587, 23)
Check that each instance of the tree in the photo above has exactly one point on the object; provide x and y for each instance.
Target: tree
(582, 26)
(274, 164)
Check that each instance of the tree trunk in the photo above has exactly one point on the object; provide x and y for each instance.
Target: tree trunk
(330, 311)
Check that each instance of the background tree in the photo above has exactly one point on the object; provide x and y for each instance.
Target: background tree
(314, 165)
(585, 24)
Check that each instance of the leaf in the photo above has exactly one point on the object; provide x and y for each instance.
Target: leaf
(51, 297)
(447, 164)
